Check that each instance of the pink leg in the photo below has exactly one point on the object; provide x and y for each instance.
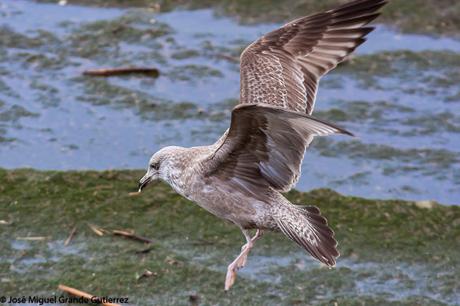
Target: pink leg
(241, 260)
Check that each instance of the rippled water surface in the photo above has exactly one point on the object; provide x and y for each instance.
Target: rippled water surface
(399, 95)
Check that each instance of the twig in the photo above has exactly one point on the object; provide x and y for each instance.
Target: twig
(37, 238)
(72, 233)
(146, 274)
(131, 236)
(122, 71)
(85, 295)
(97, 230)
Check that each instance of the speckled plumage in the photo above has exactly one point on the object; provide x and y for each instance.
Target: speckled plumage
(240, 178)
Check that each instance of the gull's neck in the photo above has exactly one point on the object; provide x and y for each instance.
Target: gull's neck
(181, 168)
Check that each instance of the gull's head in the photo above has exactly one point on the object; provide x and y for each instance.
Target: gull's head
(160, 165)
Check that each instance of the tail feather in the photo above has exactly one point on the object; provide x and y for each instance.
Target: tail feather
(305, 226)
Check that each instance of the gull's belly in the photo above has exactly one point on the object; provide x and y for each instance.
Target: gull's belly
(234, 206)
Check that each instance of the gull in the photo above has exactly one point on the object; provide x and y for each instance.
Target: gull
(242, 176)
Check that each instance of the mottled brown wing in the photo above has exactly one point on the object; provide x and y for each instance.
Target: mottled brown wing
(283, 67)
(264, 147)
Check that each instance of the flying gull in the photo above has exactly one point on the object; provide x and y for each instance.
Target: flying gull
(242, 176)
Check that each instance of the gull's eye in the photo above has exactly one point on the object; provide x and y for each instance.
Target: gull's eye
(155, 166)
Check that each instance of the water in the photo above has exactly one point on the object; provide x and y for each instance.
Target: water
(406, 120)
(393, 280)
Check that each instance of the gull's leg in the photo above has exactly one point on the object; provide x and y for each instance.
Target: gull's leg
(259, 233)
(240, 260)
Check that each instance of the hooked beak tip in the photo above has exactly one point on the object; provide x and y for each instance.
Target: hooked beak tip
(143, 183)
(141, 186)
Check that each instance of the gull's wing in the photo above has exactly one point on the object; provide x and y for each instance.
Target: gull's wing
(283, 67)
(264, 147)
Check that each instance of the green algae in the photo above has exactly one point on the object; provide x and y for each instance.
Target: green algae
(41, 62)
(373, 111)
(413, 159)
(105, 37)
(193, 72)
(100, 91)
(360, 178)
(40, 50)
(50, 204)
(7, 90)
(185, 54)
(397, 62)
(14, 113)
(434, 123)
(381, 113)
(12, 39)
(428, 73)
(431, 74)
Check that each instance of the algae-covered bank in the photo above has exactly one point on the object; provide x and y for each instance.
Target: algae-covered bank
(393, 252)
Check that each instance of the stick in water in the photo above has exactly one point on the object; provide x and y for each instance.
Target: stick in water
(122, 71)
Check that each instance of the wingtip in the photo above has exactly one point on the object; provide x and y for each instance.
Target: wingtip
(345, 132)
(329, 263)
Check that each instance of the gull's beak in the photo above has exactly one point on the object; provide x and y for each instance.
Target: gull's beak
(144, 181)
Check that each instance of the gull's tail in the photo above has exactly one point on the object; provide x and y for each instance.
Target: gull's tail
(305, 226)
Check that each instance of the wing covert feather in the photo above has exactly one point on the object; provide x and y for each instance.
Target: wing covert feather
(264, 147)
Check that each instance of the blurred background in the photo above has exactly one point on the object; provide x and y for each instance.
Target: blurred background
(399, 93)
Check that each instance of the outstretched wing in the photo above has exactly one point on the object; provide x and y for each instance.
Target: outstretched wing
(264, 147)
(283, 67)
